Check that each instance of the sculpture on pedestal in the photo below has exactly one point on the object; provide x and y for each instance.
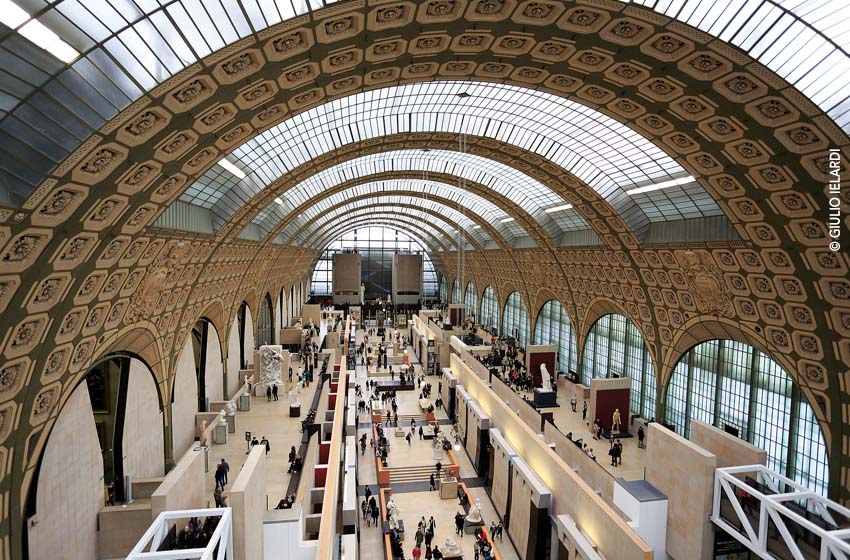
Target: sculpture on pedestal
(392, 515)
(203, 437)
(451, 547)
(474, 515)
(294, 394)
(615, 421)
(546, 379)
(230, 408)
(270, 365)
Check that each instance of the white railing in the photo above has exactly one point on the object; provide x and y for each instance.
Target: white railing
(773, 507)
(222, 537)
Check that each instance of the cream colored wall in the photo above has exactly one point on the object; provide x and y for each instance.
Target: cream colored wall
(70, 486)
(185, 404)
(570, 494)
(143, 442)
(233, 359)
(183, 487)
(729, 450)
(214, 372)
(248, 500)
(684, 472)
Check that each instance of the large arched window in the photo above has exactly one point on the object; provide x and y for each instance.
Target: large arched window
(553, 327)
(264, 322)
(455, 292)
(615, 348)
(515, 320)
(470, 300)
(733, 386)
(444, 289)
(489, 317)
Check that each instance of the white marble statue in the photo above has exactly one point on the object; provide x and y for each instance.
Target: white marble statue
(294, 394)
(222, 420)
(230, 408)
(438, 449)
(392, 514)
(474, 515)
(203, 436)
(451, 547)
(546, 379)
(270, 365)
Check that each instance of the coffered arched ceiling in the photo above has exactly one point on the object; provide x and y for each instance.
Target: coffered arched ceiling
(598, 150)
(129, 47)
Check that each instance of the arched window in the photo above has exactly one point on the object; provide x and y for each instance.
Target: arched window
(242, 322)
(470, 299)
(264, 322)
(614, 348)
(489, 316)
(444, 288)
(200, 332)
(455, 292)
(733, 386)
(515, 320)
(553, 327)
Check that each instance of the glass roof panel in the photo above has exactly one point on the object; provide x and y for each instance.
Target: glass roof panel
(606, 154)
(320, 213)
(136, 44)
(425, 232)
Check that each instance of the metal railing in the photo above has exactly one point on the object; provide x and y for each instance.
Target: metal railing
(220, 545)
(766, 514)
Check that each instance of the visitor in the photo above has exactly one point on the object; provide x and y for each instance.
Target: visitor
(433, 482)
(439, 467)
(584, 412)
(265, 442)
(269, 393)
(459, 524)
(438, 555)
(417, 552)
(274, 391)
(641, 436)
(217, 496)
(573, 401)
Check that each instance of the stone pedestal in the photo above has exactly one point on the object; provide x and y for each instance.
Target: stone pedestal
(544, 399)
(231, 423)
(448, 488)
(244, 402)
(294, 410)
(220, 434)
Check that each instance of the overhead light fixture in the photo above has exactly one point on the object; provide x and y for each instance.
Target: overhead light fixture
(462, 95)
(13, 16)
(476, 226)
(662, 185)
(506, 220)
(227, 165)
(558, 208)
(278, 200)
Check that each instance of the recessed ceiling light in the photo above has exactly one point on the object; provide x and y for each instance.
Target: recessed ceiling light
(476, 226)
(13, 16)
(662, 185)
(558, 208)
(506, 220)
(278, 200)
(232, 168)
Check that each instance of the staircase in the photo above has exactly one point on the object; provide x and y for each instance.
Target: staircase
(411, 474)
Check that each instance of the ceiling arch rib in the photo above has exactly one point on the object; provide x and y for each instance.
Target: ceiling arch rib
(504, 183)
(127, 48)
(406, 191)
(430, 243)
(339, 203)
(305, 236)
(604, 153)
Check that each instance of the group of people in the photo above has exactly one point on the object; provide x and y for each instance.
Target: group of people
(369, 508)
(264, 442)
(425, 534)
(195, 534)
(295, 462)
(221, 471)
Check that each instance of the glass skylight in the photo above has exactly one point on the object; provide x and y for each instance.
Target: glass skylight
(129, 46)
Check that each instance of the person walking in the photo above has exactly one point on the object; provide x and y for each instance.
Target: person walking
(265, 442)
(641, 437)
(439, 467)
(421, 433)
(420, 536)
(433, 483)
(417, 552)
(459, 524)
(217, 495)
(364, 507)
(499, 530)
(584, 412)
(375, 515)
(274, 391)
(408, 438)
(573, 401)
(432, 524)
(269, 393)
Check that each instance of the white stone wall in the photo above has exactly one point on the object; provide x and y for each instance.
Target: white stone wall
(185, 404)
(70, 486)
(214, 372)
(143, 441)
(233, 359)
(249, 338)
